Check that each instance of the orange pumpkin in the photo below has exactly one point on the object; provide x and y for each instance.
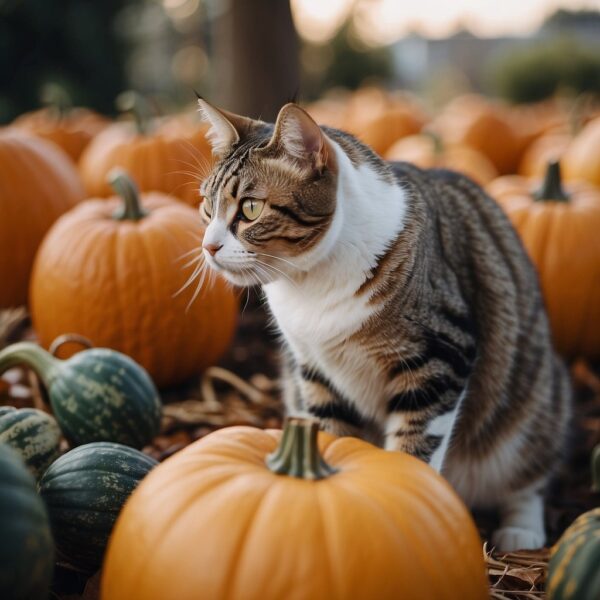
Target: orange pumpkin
(38, 183)
(560, 231)
(72, 130)
(546, 148)
(111, 270)
(471, 121)
(427, 151)
(582, 159)
(168, 155)
(234, 515)
(389, 126)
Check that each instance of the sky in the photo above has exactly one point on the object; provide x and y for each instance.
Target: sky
(384, 21)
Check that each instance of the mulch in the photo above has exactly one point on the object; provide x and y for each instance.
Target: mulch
(243, 390)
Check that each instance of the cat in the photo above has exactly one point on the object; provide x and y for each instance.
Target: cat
(409, 312)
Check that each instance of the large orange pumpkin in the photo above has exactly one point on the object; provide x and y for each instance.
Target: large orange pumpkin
(582, 159)
(428, 151)
(235, 516)
(111, 271)
(38, 183)
(72, 129)
(559, 228)
(169, 155)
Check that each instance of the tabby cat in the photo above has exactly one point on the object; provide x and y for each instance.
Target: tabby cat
(409, 312)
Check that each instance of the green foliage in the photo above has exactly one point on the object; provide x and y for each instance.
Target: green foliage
(71, 42)
(537, 72)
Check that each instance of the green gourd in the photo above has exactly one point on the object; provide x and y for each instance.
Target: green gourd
(84, 491)
(33, 434)
(26, 547)
(96, 395)
(574, 569)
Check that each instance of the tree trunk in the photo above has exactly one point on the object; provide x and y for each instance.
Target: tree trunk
(256, 57)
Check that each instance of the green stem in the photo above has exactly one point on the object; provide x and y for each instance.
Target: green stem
(596, 469)
(298, 452)
(131, 210)
(30, 355)
(438, 145)
(57, 99)
(138, 106)
(552, 186)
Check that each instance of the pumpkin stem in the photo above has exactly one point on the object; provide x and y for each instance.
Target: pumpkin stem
(596, 469)
(135, 104)
(552, 186)
(30, 355)
(57, 99)
(131, 210)
(298, 452)
(438, 144)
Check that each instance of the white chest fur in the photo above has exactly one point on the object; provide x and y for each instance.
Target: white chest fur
(319, 312)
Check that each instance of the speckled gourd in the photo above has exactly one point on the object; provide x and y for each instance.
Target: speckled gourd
(33, 434)
(96, 395)
(84, 491)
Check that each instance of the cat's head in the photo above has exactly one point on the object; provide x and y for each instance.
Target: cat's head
(270, 199)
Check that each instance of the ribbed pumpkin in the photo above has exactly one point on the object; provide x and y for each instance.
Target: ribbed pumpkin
(560, 231)
(574, 569)
(96, 395)
(34, 434)
(26, 547)
(582, 159)
(471, 121)
(111, 271)
(246, 513)
(169, 155)
(71, 129)
(84, 491)
(38, 183)
(428, 151)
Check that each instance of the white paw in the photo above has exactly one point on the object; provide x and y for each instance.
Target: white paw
(509, 539)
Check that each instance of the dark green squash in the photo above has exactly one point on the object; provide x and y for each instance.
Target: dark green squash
(96, 395)
(26, 547)
(34, 434)
(574, 569)
(84, 491)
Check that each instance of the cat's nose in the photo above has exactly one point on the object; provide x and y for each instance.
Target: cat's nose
(212, 249)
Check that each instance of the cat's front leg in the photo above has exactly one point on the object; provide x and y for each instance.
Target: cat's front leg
(320, 399)
(521, 521)
(425, 433)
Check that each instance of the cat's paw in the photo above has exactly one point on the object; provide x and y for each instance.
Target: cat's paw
(509, 539)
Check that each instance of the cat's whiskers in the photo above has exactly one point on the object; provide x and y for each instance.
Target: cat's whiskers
(289, 262)
(279, 271)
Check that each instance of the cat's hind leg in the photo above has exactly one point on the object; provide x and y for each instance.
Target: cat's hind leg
(521, 521)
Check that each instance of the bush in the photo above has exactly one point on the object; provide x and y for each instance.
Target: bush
(534, 73)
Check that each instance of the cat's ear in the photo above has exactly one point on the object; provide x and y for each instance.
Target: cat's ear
(226, 128)
(297, 134)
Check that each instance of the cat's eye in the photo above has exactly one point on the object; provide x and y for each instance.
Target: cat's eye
(251, 208)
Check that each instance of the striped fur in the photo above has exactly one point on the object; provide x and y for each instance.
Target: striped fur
(409, 312)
